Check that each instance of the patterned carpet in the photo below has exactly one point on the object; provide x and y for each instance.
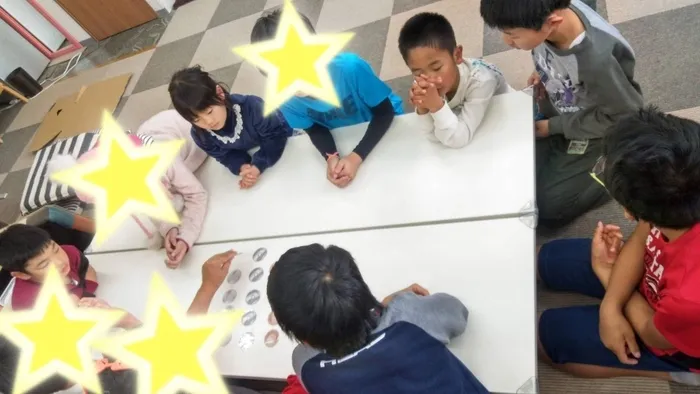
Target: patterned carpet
(664, 33)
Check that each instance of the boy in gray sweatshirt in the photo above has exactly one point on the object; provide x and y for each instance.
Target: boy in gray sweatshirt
(583, 83)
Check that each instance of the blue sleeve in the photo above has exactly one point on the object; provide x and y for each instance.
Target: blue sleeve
(232, 159)
(294, 112)
(272, 130)
(370, 88)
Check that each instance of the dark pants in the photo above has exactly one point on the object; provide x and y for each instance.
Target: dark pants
(565, 188)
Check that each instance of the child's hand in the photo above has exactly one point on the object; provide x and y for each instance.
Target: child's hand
(175, 257)
(414, 288)
(428, 95)
(170, 241)
(249, 176)
(415, 95)
(333, 175)
(346, 169)
(215, 269)
(617, 335)
(542, 128)
(605, 247)
(538, 90)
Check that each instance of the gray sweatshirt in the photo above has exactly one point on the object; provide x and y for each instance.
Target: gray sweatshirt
(591, 84)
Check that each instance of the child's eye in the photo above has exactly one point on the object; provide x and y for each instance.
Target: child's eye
(210, 111)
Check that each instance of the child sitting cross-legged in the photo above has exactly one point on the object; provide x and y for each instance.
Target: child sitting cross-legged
(351, 343)
(451, 93)
(28, 252)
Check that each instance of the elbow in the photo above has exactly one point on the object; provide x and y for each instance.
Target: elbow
(456, 141)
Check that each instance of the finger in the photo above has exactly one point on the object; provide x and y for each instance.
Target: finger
(612, 227)
(631, 344)
(621, 353)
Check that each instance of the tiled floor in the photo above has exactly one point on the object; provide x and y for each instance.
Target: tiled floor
(665, 35)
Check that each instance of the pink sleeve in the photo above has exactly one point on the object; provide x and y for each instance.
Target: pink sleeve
(185, 183)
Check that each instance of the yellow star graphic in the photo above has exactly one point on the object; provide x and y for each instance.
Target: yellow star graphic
(55, 337)
(123, 179)
(173, 351)
(296, 61)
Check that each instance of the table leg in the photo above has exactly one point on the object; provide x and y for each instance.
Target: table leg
(13, 92)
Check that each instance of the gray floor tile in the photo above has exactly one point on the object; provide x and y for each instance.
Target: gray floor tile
(400, 86)
(13, 185)
(8, 115)
(13, 145)
(658, 38)
(367, 46)
(406, 5)
(230, 10)
(226, 75)
(493, 41)
(309, 8)
(166, 60)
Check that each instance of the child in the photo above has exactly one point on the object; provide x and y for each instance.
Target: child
(583, 83)
(648, 323)
(27, 252)
(451, 94)
(227, 126)
(363, 95)
(351, 343)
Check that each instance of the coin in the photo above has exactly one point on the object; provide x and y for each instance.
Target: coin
(229, 296)
(259, 254)
(252, 297)
(246, 341)
(256, 274)
(234, 276)
(272, 319)
(249, 318)
(271, 338)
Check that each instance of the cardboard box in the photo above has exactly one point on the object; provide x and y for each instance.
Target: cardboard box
(80, 112)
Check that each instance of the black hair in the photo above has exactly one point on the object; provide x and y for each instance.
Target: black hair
(427, 29)
(118, 382)
(265, 27)
(318, 297)
(9, 360)
(192, 90)
(526, 14)
(20, 243)
(652, 167)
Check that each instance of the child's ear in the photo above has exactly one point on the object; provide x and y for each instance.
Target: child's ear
(220, 93)
(458, 54)
(553, 21)
(21, 275)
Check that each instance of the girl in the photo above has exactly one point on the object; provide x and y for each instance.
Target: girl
(188, 194)
(227, 125)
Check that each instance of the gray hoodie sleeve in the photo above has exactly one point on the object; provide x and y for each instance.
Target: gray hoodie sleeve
(609, 88)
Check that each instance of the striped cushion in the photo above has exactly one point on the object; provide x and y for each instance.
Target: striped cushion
(39, 190)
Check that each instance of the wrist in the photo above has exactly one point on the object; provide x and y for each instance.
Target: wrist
(330, 156)
(437, 107)
(208, 289)
(422, 111)
(355, 157)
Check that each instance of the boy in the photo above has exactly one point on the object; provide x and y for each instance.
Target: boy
(648, 323)
(584, 82)
(351, 343)
(451, 94)
(27, 253)
(363, 95)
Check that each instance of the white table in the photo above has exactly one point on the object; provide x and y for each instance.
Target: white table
(406, 180)
(489, 265)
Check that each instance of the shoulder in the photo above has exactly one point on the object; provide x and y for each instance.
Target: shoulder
(347, 62)
(301, 354)
(71, 251)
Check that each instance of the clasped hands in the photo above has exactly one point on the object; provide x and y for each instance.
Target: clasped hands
(341, 171)
(425, 94)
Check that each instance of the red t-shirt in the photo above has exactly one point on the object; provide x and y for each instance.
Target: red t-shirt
(26, 291)
(671, 285)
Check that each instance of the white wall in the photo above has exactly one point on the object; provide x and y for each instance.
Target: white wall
(64, 19)
(33, 21)
(18, 52)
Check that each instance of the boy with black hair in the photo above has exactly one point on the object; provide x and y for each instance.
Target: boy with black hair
(450, 93)
(363, 96)
(352, 343)
(27, 252)
(648, 323)
(584, 82)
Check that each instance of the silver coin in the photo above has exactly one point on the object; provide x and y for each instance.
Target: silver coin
(256, 274)
(252, 297)
(271, 338)
(272, 319)
(259, 254)
(229, 296)
(246, 341)
(233, 277)
(227, 340)
(249, 318)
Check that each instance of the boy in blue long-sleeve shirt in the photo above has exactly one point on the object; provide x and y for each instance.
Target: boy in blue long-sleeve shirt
(227, 126)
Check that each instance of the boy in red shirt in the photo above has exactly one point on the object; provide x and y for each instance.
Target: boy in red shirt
(27, 252)
(648, 323)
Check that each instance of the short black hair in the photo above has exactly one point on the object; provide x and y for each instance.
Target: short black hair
(265, 27)
(118, 382)
(9, 360)
(318, 297)
(192, 90)
(427, 29)
(20, 243)
(526, 14)
(652, 167)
